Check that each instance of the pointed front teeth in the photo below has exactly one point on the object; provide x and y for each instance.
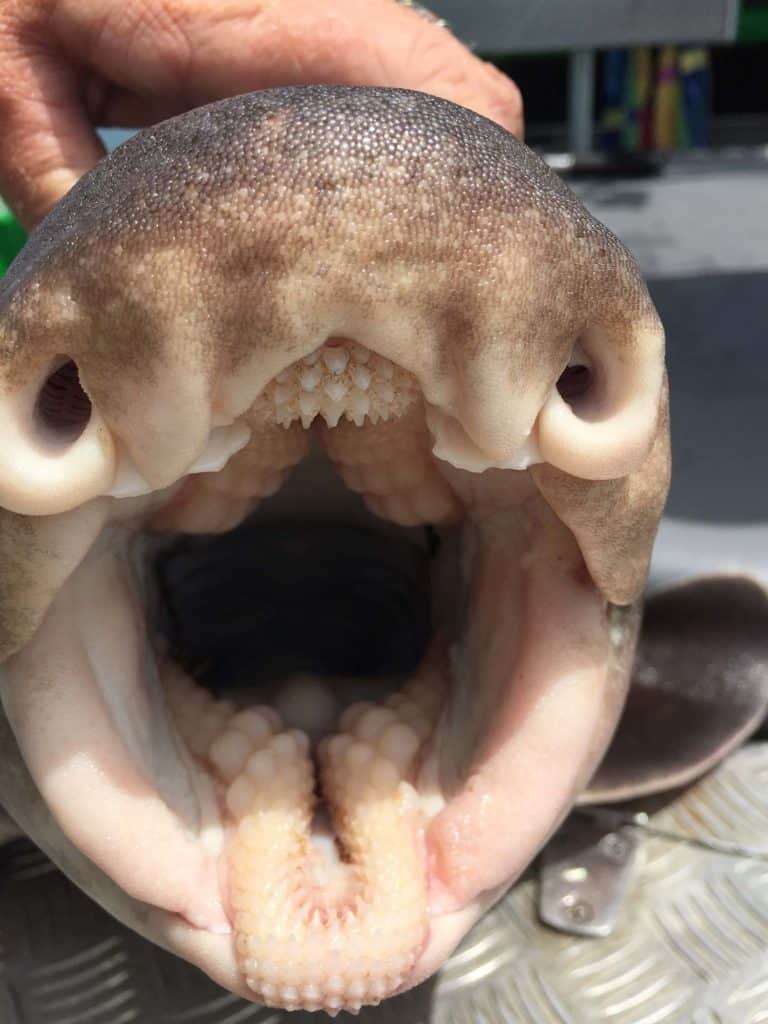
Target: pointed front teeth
(310, 378)
(361, 377)
(360, 406)
(338, 380)
(335, 389)
(336, 358)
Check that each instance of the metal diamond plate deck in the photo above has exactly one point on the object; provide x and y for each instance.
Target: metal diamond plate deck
(691, 946)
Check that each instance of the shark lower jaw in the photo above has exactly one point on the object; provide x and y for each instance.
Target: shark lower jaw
(319, 738)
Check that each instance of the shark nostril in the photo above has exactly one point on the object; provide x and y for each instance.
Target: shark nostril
(600, 418)
(582, 384)
(63, 409)
(57, 451)
(574, 382)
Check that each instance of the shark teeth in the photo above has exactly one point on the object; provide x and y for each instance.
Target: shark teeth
(340, 379)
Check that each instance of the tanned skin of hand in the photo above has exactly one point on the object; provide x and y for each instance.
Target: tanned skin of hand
(67, 66)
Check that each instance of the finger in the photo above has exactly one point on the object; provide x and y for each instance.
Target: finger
(159, 57)
(47, 142)
(240, 46)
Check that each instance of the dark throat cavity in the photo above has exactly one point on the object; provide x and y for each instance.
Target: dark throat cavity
(244, 611)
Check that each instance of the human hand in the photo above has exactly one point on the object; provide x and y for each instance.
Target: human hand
(67, 66)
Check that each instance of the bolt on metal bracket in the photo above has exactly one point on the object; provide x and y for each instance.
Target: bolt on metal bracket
(584, 875)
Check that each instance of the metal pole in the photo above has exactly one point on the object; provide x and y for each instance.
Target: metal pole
(581, 95)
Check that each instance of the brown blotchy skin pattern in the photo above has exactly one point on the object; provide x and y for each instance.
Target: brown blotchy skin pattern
(184, 275)
(385, 177)
(379, 182)
(614, 520)
(196, 244)
(37, 554)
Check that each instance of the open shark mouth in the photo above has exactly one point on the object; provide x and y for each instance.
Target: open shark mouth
(315, 639)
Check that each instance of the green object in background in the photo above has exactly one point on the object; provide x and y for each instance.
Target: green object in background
(753, 22)
(12, 237)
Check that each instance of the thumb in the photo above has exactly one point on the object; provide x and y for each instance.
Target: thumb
(47, 142)
(162, 58)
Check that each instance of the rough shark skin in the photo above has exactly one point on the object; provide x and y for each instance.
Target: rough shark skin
(489, 364)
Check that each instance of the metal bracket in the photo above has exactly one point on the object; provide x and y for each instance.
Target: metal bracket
(584, 875)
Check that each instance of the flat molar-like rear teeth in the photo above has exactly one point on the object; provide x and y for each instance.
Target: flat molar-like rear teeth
(397, 728)
(391, 465)
(246, 731)
(213, 502)
(199, 718)
(311, 933)
(341, 379)
(392, 736)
